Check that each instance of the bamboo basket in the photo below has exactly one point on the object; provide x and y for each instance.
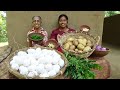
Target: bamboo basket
(95, 41)
(20, 76)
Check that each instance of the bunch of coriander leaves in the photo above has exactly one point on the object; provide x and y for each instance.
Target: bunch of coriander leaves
(80, 68)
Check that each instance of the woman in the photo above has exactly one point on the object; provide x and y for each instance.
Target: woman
(63, 28)
(36, 28)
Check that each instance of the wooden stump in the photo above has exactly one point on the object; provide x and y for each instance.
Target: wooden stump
(106, 71)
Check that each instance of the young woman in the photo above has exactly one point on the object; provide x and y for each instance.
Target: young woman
(36, 28)
(63, 28)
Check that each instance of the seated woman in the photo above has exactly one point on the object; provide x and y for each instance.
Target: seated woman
(63, 28)
(36, 28)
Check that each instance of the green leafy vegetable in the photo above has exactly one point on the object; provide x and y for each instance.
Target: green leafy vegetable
(36, 37)
(80, 68)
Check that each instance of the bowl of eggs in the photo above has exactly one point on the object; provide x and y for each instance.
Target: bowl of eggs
(100, 51)
(37, 63)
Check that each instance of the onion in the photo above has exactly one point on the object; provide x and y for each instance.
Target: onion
(98, 47)
(103, 49)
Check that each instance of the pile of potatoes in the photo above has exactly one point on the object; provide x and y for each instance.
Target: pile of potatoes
(78, 45)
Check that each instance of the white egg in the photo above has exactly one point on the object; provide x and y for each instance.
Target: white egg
(37, 56)
(43, 71)
(21, 67)
(40, 60)
(31, 55)
(24, 71)
(15, 57)
(19, 61)
(49, 59)
(44, 75)
(32, 68)
(39, 68)
(61, 63)
(31, 74)
(23, 57)
(35, 72)
(38, 49)
(48, 67)
(46, 61)
(56, 68)
(52, 73)
(55, 61)
(33, 62)
(26, 63)
(12, 61)
(31, 51)
(45, 52)
(21, 53)
(56, 54)
(15, 66)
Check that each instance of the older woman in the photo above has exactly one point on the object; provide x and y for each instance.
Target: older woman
(36, 28)
(63, 28)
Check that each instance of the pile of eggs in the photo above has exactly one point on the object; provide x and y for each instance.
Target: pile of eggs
(37, 62)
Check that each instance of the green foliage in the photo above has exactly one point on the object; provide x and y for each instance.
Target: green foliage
(37, 37)
(3, 31)
(111, 13)
(79, 68)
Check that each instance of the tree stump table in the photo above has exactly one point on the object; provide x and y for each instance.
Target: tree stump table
(106, 69)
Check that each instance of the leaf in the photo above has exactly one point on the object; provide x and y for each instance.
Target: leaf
(80, 68)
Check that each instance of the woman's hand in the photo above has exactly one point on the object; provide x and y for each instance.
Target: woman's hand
(58, 36)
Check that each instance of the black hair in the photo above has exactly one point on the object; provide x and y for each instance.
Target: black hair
(63, 15)
(36, 16)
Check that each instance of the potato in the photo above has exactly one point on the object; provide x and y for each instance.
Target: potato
(70, 43)
(75, 42)
(72, 51)
(87, 48)
(84, 42)
(80, 47)
(76, 50)
(66, 46)
(80, 37)
(70, 39)
(80, 51)
(72, 47)
(80, 40)
(89, 43)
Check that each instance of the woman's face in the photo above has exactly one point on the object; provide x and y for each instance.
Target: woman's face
(36, 22)
(63, 22)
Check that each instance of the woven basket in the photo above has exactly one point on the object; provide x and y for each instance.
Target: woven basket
(95, 41)
(19, 76)
(36, 41)
(55, 43)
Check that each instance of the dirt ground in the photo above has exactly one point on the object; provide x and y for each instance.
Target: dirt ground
(114, 59)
